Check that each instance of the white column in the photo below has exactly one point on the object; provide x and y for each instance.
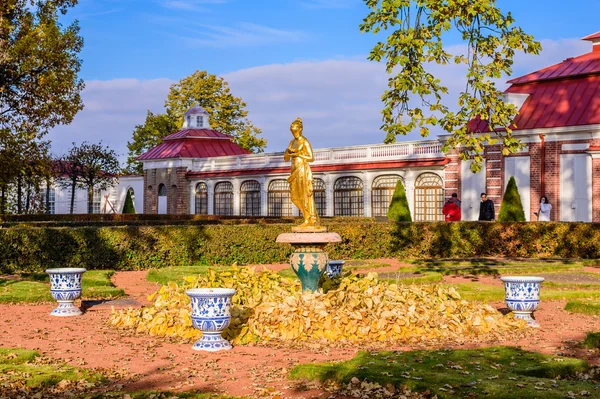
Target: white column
(236, 196)
(409, 189)
(263, 196)
(193, 196)
(367, 178)
(210, 185)
(329, 182)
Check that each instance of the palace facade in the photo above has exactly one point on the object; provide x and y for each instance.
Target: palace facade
(198, 170)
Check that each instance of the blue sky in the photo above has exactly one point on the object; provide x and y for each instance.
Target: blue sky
(285, 58)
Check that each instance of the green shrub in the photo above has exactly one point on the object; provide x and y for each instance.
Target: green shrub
(30, 248)
(511, 209)
(399, 210)
(128, 208)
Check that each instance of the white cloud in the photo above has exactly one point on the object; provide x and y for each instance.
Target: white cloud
(112, 109)
(189, 5)
(240, 35)
(339, 100)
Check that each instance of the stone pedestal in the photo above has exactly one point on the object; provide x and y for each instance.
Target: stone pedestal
(309, 259)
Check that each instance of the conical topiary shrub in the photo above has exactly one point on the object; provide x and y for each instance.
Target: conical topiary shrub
(128, 207)
(511, 209)
(399, 210)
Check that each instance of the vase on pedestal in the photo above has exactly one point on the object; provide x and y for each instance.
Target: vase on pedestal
(65, 287)
(309, 260)
(523, 296)
(334, 268)
(211, 314)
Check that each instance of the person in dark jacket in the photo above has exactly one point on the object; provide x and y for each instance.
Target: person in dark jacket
(486, 208)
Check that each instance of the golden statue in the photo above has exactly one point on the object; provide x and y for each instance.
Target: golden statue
(301, 179)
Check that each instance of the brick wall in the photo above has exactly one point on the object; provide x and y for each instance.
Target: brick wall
(452, 175)
(494, 174)
(178, 195)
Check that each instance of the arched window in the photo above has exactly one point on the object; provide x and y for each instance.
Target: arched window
(382, 191)
(250, 198)
(320, 197)
(279, 202)
(201, 199)
(348, 197)
(162, 199)
(429, 198)
(224, 198)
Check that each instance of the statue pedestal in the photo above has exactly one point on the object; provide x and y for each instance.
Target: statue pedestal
(309, 260)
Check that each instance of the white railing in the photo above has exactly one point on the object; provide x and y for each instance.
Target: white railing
(327, 156)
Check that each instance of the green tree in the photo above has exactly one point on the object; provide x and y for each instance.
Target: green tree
(91, 166)
(147, 136)
(416, 43)
(39, 86)
(399, 210)
(25, 165)
(128, 207)
(228, 115)
(511, 209)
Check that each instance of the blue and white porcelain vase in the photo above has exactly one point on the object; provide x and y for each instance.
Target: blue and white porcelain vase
(334, 268)
(65, 287)
(211, 315)
(523, 296)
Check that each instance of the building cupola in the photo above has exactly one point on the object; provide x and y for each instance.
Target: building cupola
(196, 118)
(595, 39)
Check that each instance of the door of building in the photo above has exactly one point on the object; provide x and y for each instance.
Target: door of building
(575, 188)
(520, 168)
(473, 184)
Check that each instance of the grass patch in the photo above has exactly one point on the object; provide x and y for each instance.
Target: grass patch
(494, 267)
(408, 275)
(592, 340)
(498, 372)
(26, 368)
(35, 287)
(589, 307)
(20, 365)
(489, 293)
(176, 274)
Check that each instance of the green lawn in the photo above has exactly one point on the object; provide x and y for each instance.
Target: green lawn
(31, 288)
(24, 368)
(487, 293)
(590, 307)
(498, 267)
(497, 372)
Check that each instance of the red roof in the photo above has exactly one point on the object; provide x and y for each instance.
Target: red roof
(328, 168)
(194, 143)
(583, 65)
(565, 94)
(196, 133)
(593, 36)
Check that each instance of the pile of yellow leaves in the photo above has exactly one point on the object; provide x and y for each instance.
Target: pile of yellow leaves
(268, 307)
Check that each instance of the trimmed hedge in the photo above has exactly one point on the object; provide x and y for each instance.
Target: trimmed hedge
(142, 247)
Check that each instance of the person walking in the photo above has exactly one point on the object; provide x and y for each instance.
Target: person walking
(545, 208)
(451, 209)
(486, 208)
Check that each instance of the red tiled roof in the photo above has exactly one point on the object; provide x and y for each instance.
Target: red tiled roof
(592, 36)
(193, 149)
(583, 65)
(196, 133)
(194, 143)
(565, 94)
(328, 168)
